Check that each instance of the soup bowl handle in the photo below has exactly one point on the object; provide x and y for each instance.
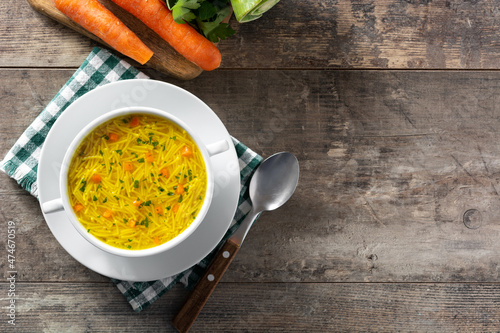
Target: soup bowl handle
(52, 206)
(217, 147)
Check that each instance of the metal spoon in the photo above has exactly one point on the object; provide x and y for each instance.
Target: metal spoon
(272, 184)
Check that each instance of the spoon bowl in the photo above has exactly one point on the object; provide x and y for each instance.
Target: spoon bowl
(274, 182)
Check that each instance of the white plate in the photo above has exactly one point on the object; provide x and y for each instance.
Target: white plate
(189, 109)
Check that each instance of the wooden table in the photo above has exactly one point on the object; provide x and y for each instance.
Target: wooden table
(392, 108)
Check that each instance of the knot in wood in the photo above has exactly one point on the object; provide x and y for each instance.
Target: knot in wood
(472, 218)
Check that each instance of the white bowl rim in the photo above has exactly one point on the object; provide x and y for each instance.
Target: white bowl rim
(126, 252)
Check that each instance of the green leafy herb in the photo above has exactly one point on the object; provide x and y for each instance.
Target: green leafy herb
(206, 16)
(141, 160)
(119, 151)
(206, 11)
(94, 198)
(180, 198)
(105, 200)
(136, 184)
(182, 11)
(84, 182)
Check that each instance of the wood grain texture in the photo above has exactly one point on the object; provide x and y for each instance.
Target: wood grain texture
(392, 34)
(390, 161)
(267, 307)
(165, 59)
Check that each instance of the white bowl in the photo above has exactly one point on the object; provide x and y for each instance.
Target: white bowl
(63, 203)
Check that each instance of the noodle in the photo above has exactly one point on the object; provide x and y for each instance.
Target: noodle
(137, 181)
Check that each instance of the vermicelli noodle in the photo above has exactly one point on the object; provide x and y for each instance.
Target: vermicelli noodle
(137, 181)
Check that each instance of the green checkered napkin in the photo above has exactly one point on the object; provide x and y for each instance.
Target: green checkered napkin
(21, 163)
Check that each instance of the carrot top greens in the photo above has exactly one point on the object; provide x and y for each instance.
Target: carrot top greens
(204, 15)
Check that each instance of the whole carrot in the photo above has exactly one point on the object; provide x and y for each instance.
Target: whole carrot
(95, 18)
(182, 37)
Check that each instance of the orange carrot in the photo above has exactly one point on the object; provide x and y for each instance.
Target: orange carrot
(107, 213)
(182, 37)
(157, 240)
(95, 18)
(78, 207)
(137, 203)
(179, 189)
(113, 137)
(186, 151)
(150, 157)
(159, 210)
(134, 122)
(96, 178)
(131, 223)
(127, 166)
(175, 208)
(164, 172)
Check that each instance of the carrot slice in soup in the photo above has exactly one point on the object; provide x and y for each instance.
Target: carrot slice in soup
(127, 166)
(95, 18)
(186, 151)
(134, 122)
(96, 178)
(164, 172)
(113, 137)
(150, 157)
(78, 207)
(179, 189)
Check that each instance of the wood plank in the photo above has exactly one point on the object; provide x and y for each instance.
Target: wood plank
(165, 58)
(390, 161)
(264, 307)
(296, 34)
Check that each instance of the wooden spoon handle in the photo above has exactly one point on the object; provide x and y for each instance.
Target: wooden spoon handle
(202, 291)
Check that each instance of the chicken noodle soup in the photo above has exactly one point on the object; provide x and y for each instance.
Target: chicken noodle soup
(137, 181)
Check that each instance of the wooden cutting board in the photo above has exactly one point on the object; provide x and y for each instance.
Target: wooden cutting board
(165, 58)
